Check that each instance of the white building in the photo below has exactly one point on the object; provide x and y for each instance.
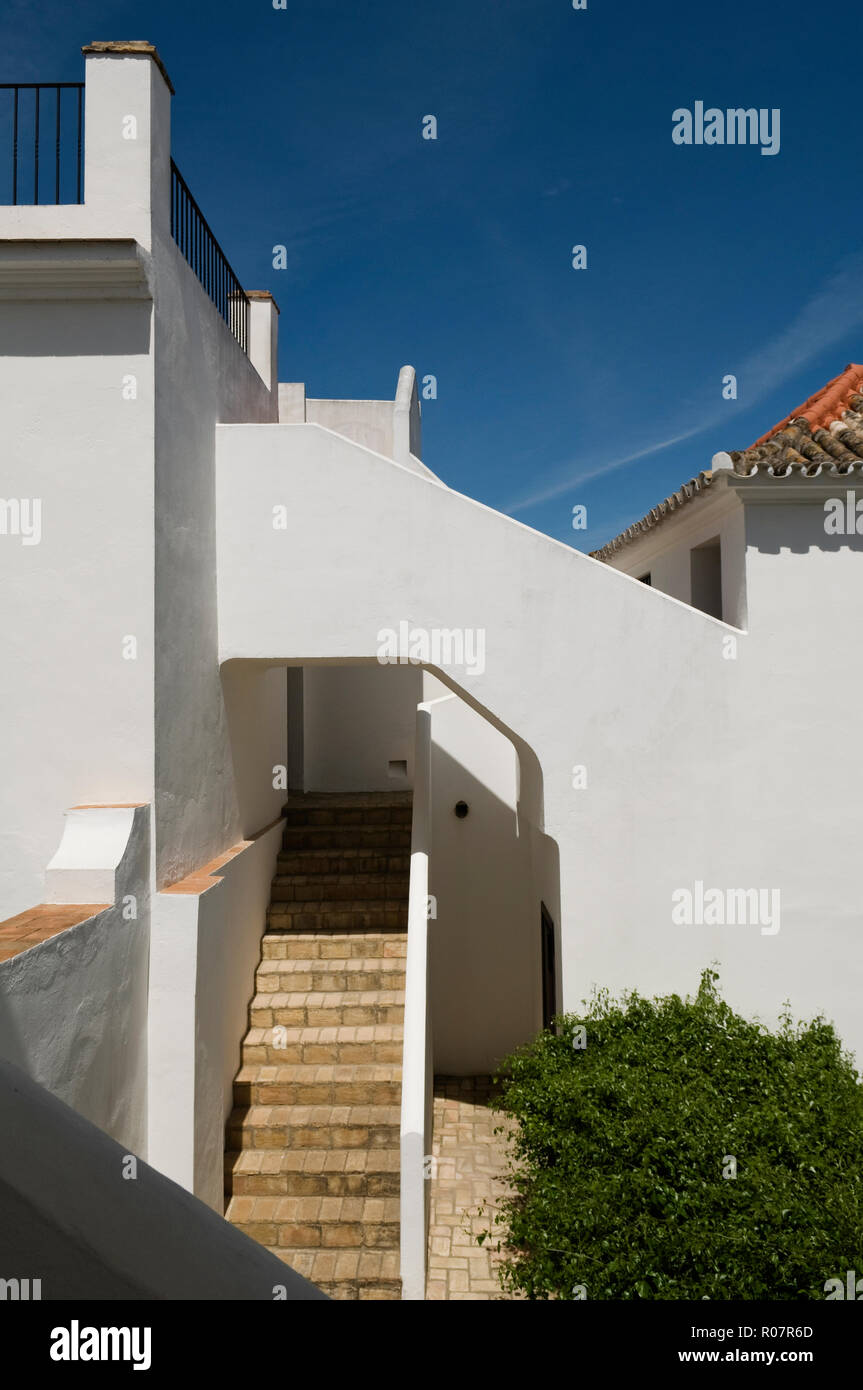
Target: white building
(220, 597)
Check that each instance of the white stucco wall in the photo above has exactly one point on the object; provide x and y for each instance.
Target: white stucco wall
(77, 713)
(202, 375)
(256, 706)
(484, 941)
(73, 336)
(392, 428)
(664, 552)
(357, 719)
(230, 935)
(206, 948)
(112, 682)
(73, 1010)
(693, 773)
(366, 422)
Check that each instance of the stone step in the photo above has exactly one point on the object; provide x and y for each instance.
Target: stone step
(367, 915)
(389, 838)
(331, 944)
(309, 1083)
(327, 1009)
(318, 1223)
(312, 1167)
(340, 888)
(343, 861)
(314, 1127)
(312, 1173)
(339, 817)
(353, 1270)
(360, 1291)
(351, 973)
(323, 1046)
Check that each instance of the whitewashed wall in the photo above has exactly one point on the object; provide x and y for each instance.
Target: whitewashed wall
(206, 948)
(694, 773)
(202, 376)
(357, 720)
(76, 713)
(484, 940)
(256, 708)
(115, 367)
(664, 552)
(73, 1010)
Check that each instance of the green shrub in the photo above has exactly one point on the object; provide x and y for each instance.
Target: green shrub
(619, 1150)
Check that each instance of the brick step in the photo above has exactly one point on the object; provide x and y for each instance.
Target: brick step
(323, 1046)
(339, 817)
(368, 915)
(331, 943)
(312, 1167)
(329, 1009)
(314, 1127)
(339, 888)
(312, 1173)
(325, 860)
(361, 1285)
(309, 1083)
(318, 1223)
(392, 838)
(361, 1291)
(349, 974)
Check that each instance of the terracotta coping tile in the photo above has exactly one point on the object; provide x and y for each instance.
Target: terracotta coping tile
(40, 923)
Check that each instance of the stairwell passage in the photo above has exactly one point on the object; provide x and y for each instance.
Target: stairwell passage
(312, 1161)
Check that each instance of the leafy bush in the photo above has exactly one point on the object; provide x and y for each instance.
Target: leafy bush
(620, 1146)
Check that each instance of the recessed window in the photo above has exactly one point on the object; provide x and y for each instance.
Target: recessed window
(398, 767)
(706, 574)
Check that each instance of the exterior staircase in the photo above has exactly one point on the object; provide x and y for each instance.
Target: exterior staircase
(312, 1161)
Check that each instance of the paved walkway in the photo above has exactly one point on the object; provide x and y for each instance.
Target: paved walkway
(467, 1183)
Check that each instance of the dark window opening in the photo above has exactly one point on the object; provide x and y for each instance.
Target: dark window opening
(706, 575)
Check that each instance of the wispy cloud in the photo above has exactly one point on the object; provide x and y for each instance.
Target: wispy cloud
(587, 475)
(830, 315)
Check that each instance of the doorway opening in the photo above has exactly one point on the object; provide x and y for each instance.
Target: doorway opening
(549, 971)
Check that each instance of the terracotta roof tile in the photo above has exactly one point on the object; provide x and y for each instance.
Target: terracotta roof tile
(825, 434)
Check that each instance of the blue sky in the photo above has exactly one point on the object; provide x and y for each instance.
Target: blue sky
(556, 387)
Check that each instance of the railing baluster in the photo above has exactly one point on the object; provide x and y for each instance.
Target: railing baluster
(15, 151)
(61, 159)
(196, 242)
(57, 153)
(80, 129)
(36, 138)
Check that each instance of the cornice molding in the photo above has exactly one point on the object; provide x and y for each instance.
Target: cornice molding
(73, 268)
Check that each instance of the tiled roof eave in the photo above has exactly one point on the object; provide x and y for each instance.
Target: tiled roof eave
(823, 438)
(696, 487)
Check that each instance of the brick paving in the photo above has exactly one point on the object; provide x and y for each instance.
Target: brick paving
(467, 1183)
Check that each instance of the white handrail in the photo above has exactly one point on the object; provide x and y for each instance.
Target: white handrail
(417, 1076)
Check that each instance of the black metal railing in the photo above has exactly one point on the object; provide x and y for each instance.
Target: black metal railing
(42, 126)
(193, 235)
